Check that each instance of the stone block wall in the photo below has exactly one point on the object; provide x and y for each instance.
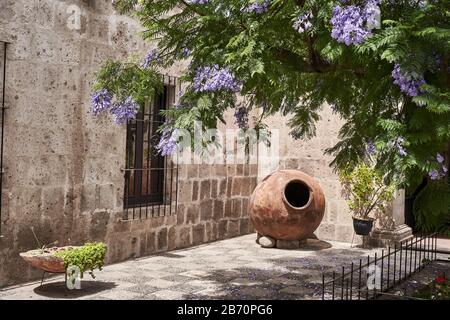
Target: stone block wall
(212, 205)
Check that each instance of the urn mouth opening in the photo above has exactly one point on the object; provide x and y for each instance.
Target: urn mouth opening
(297, 194)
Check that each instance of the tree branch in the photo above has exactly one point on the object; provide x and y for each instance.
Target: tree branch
(299, 64)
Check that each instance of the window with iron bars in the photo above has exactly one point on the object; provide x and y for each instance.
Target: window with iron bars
(151, 180)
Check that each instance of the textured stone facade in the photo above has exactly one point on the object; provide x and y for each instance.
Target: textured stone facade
(63, 172)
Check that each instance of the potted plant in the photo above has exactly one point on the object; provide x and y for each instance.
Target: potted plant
(366, 192)
(88, 257)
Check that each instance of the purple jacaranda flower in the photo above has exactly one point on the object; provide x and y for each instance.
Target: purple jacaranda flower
(241, 118)
(197, 1)
(401, 151)
(125, 110)
(410, 85)
(167, 144)
(303, 22)
(208, 79)
(372, 14)
(257, 7)
(440, 158)
(398, 144)
(151, 57)
(101, 101)
(352, 24)
(349, 25)
(185, 52)
(434, 174)
(371, 148)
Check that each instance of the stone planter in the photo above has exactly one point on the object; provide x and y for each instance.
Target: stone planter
(45, 260)
(288, 205)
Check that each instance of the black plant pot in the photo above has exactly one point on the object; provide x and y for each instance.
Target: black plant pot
(362, 227)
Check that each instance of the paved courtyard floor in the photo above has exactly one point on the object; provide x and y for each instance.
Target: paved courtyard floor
(236, 268)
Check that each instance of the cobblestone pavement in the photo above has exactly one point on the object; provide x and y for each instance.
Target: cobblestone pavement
(236, 268)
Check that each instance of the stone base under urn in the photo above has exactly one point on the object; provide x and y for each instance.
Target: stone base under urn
(269, 242)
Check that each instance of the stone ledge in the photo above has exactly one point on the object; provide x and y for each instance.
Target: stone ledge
(390, 237)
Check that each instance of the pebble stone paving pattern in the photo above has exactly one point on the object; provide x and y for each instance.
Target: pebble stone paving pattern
(231, 269)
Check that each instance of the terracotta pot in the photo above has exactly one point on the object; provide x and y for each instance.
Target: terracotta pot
(287, 205)
(45, 259)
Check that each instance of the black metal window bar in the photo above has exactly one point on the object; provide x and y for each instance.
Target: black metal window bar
(151, 180)
(395, 265)
(4, 47)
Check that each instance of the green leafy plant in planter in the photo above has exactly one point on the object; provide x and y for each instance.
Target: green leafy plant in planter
(366, 191)
(90, 256)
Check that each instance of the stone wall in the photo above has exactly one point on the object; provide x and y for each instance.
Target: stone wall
(63, 167)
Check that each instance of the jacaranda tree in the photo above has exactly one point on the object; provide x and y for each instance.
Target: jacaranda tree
(382, 65)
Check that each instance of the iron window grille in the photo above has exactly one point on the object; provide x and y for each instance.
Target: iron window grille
(151, 180)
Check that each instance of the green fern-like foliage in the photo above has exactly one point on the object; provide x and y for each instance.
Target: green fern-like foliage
(124, 79)
(432, 208)
(91, 256)
(296, 74)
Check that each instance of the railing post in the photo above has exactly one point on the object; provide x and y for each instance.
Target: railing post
(382, 268)
(375, 287)
(359, 279)
(333, 287)
(323, 286)
(420, 251)
(5, 47)
(400, 263)
(415, 254)
(389, 266)
(395, 262)
(367, 277)
(351, 281)
(406, 259)
(435, 246)
(410, 260)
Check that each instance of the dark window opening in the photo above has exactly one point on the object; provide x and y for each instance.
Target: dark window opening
(297, 194)
(151, 180)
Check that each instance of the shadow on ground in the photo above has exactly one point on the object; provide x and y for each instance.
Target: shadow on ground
(290, 278)
(59, 289)
(313, 245)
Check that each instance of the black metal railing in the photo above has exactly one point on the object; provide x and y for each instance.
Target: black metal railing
(4, 46)
(151, 180)
(368, 278)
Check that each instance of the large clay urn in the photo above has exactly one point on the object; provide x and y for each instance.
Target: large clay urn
(287, 205)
